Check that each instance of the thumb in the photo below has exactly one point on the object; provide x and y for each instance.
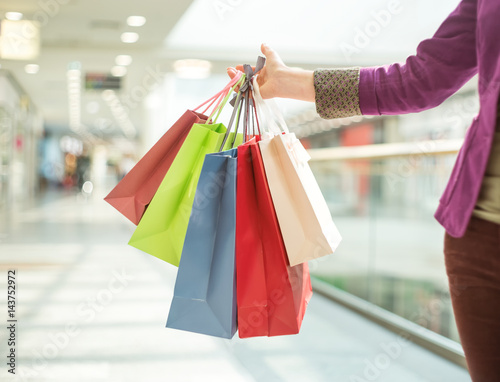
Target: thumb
(270, 53)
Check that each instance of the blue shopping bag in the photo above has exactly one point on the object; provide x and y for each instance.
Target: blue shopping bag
(205, 289)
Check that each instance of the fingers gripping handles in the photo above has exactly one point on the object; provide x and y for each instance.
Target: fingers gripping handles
(243, 100)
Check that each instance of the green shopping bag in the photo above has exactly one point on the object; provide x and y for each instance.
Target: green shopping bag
(163, 227)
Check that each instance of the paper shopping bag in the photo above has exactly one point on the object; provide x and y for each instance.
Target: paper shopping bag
(162, 229)
(304, 217)
(272, 296)
(205, 289)
(134, 192)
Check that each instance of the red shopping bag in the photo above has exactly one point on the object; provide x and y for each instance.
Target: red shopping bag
(271, 296)
(134, 192)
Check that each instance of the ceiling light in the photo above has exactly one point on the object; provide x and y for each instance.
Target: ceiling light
(118, 71)
(192, 68)
(13, 16)
(136, 21)
(123, 60)
(31, 68)
(129, 37)
(19, 40)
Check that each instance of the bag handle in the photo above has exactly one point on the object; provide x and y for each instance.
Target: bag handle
(223, 103)
(236, 113)
(241, 100)
(245, 120)
(219, 97)
(220, 93)
(292, 144)
(256, 121)
(270, 111)
(247, 89)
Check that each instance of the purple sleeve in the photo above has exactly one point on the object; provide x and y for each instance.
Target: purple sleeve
(440, 67)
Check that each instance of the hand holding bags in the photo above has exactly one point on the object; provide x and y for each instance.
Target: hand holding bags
(222, 212)
(304, 217)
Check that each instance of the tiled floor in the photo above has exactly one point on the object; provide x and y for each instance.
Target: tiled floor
(91, 308)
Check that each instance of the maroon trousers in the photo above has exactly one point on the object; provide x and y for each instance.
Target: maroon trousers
(473, 268)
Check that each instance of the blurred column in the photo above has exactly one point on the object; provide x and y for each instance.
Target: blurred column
(20, 130)
(99, 169)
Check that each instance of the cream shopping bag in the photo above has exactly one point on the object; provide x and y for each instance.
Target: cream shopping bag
(303, 214)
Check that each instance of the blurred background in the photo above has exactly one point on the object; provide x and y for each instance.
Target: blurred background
(87, 87)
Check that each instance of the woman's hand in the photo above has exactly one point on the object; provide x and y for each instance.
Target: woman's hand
(278, 80)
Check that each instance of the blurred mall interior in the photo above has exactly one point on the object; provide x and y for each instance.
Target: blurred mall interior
(87, 87)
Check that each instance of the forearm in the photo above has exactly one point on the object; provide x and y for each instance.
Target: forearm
(295, 84)
(335, 91)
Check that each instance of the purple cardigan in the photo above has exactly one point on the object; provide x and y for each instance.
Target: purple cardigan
(468, 42)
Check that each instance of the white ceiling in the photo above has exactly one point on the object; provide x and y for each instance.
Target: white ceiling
(89, 31)
(307, 33)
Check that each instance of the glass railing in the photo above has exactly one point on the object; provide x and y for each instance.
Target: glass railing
(382, 199)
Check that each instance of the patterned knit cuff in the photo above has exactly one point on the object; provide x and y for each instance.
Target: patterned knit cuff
(337, 92)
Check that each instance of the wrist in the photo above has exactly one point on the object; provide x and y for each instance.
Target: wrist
(296, 84)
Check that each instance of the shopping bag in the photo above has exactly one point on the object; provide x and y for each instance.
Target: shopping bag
(205, 289)
(162, 229)
(272, 296)
(303, 214)
(134, 192)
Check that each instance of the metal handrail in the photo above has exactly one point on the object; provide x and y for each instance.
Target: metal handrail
(432, 341)
(387, 150)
